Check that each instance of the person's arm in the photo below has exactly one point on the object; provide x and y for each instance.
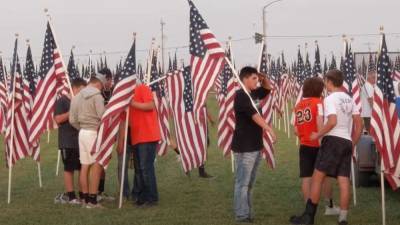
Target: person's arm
(121, 138)
(264, 81)
(146, 106)
(99, 105)
(261, 122)
(61, 118)
(145, 96)
(357, 129)
(73, 115)
(330, 124)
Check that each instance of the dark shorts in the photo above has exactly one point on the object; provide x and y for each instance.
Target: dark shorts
(334, 157)
(307, 156)
(70, 158)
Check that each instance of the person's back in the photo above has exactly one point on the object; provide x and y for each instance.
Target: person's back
(88, 108)
(306, 113)
(342, 105)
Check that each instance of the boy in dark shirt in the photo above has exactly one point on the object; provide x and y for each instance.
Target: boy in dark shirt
(247, 139)
(68, 144)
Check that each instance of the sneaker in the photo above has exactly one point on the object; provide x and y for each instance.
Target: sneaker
(178, 158)
(343, 222)
(75, 202)
(105, 197)
(94, 206)
(139, 204)
(61, 199)
(332, 211)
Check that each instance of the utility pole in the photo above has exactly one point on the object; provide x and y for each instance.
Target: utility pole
(162, 45)
(264, 17)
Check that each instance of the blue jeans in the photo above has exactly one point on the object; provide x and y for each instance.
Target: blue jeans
(145, 184)
(246, 165)
(125, 191)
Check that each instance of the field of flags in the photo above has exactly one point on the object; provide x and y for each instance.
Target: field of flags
(28, 94)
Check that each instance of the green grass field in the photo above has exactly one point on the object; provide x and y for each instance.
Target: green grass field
(183, 200)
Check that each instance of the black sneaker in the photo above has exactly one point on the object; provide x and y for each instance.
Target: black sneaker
(343, 222)
(205, 175)
(304, 219)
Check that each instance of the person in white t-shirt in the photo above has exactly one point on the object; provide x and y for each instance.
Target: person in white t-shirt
(367, 94)
(334, 157)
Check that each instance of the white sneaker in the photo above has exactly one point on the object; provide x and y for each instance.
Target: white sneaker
(94, 206)
(332, 211)
(105, 197)
(75, 202)
(61, 199)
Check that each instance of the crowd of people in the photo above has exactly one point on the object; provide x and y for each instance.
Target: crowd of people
(327, 122)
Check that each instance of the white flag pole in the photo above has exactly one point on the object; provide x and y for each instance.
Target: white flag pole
(39, 175)
(353, 181)
(287, 119)
(11, 143)
(383, 193)
(122, 180)
(230, 50)
(58, 161)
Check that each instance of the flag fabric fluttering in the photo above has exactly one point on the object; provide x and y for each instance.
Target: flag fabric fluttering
(115, 109)
(161, 103)
(191, 135)
(225, 97)
(17, 131)
(351, 81)
(29, 88)
(267, 105)
(73, 71)
(52, 83)
(317, 70)
(385, 126)
(396, 69)
(207, 58)
(3, 96)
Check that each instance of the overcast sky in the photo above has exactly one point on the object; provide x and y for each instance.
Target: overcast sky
(107, 25)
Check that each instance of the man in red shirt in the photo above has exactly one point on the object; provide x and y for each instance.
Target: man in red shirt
(145, 134)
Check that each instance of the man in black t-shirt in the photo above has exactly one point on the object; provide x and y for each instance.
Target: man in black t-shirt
(247, 138)
(68, 144)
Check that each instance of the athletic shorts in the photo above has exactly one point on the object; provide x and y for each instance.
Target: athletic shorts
(86, 142)
(334, 157)
(70, 158)
(308, 156)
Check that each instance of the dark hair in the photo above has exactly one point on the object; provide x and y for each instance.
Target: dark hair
(106, 72)
(247, 71)
(336, 77)
(78, 82)
(313, 87)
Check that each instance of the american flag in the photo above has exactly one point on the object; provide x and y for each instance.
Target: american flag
(396, 69)
(175, 63)
(3, 97)
(317, 70)
(225, 97)
(332, 66)
(371, 64)
(29, 87)
(51, 83)
(266, 112)
(284, 86)
(162, 107)
(72, 69)
(351, 83)
(207, 58)
(385, 126)
(307, 68)
(325, 66)
(17, 143)
(191, 134)
(300, 75)
(118, 104)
